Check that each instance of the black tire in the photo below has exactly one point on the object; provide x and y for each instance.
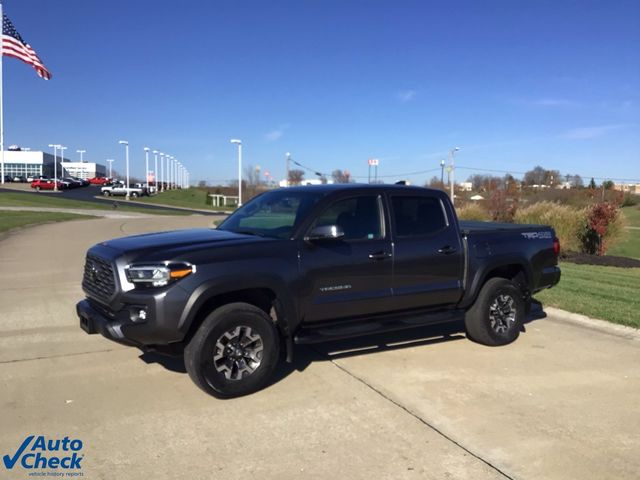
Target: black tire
(134, 194)
(37, 189)
(497, 315)
(206, 344)
(106, 193)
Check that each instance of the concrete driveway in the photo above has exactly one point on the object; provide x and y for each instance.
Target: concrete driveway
(561, 402)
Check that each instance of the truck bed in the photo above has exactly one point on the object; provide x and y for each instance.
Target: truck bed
(468, 227)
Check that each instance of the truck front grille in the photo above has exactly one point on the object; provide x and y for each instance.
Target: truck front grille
(99, 280)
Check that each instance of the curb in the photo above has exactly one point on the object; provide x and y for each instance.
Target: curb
(163, 205)
(603, 326)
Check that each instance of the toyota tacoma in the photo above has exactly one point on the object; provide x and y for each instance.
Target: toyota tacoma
(312, 264)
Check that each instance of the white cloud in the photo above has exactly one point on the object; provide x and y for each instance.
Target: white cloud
(585, 133)
(406, 95)
(276, 134)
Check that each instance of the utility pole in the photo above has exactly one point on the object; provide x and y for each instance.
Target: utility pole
(110, 160)
(452, 152)
(286, 178)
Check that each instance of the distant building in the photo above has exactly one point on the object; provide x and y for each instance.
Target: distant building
(466, 186)
(86, 170)
(627, 187)
(25, 163)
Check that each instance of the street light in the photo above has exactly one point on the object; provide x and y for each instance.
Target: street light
(442, 171)
(81, 152)
(239, 143)
(169, 178)
(452, 152)
(162, 168)
(110, 160)
(55, 166)
(155, 170)
(146, 163)
(62, 149)
(126, 156)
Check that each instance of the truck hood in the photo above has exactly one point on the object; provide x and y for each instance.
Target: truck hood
(176, 239)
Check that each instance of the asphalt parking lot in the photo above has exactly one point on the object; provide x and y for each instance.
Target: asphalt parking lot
(561, 402)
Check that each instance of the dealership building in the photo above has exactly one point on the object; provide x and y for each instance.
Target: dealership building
(26, 163)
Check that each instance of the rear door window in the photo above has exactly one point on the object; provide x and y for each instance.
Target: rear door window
(417, 215)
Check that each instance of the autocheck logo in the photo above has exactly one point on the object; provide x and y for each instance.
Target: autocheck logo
(38, 452)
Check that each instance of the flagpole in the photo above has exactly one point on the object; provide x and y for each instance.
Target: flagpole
(1, 101)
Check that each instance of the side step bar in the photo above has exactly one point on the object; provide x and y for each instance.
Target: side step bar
(370, 326)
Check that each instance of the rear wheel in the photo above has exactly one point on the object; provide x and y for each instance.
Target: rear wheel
(37, 188)
(234, 352)
(497, 315)
(134, 194)
(106, 193)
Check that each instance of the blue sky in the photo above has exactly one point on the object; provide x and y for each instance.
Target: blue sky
(512, 83)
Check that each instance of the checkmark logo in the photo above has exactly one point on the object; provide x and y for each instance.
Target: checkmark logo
(10, 462)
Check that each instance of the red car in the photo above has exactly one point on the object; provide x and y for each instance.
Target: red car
(99, 181)
(45, 184)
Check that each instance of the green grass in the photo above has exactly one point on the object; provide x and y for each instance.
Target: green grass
(10, 199)
(11, 220)
(629, 246)
(188, 198)
(632, 214)
(608, 293)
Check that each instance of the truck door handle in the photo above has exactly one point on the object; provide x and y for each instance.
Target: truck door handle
(379, 255)
(447, 250)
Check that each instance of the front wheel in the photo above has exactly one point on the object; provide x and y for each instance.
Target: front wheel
(497, 315)
(234, 352)
(106, 193)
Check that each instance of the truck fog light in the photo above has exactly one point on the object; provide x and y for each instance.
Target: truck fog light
(138, 314)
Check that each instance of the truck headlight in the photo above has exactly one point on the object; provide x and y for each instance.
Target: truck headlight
(158, 275)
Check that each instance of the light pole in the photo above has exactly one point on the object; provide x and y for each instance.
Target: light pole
(55, 166)
(126, 157)
(155, 170)
(81, 152)
(442, 171)
(169, 171)
(62, 149)
(239, 143)
(146, 163)
(110, 160)
(162, 168)
(452, 152)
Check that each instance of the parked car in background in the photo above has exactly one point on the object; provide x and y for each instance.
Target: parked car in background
(119, 189)
(100, 181)
(31, 178)
(7, 179)
(46, 184)
(19, 179)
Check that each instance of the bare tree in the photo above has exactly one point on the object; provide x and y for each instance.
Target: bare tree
(295, 177)
(339, 176)
(252, 175)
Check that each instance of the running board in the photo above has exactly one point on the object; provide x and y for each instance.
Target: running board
(370, 326)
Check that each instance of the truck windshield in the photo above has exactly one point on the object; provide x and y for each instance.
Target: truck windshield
(273, 214)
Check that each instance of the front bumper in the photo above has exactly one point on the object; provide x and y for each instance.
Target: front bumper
(92, 322)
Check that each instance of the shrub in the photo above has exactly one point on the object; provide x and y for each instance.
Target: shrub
(473, 211)
(604, 225)
(501, 208)
(568, 222)
(629, 200)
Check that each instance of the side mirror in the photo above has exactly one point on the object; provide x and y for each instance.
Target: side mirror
(325, 232)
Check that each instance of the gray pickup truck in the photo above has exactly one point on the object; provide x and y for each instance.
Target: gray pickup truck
(312, 264)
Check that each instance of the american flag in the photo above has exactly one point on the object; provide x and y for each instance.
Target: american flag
(14, 46)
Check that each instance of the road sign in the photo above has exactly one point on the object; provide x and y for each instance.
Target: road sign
(373, 162)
